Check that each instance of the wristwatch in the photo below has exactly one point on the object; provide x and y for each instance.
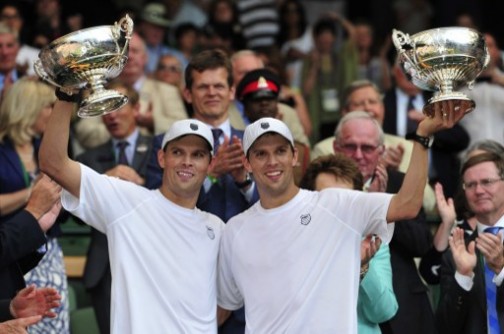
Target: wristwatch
(246, 183)
(425, 141)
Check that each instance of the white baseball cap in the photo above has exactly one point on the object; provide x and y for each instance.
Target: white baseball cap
(262, 126)
(188, 127)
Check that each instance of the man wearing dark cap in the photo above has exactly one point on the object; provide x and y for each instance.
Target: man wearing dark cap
(258, 91)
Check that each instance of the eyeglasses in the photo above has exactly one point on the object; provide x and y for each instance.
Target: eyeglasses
(352, 148)
(485, 184)
(169, 68)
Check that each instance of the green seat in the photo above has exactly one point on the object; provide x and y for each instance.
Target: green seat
(83, 321)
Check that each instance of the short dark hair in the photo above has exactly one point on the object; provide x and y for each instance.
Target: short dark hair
(208, 60)
(324, 25)
(338, 165)
(485, 157)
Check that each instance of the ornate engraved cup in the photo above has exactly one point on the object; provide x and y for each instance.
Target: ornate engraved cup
(87, 59)
(442, 60)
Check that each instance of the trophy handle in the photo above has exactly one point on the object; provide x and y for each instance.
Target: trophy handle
(401, 39)
(124, 26)
(37, 66)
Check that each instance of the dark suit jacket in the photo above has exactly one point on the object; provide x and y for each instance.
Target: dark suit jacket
(101, 159)
(20, 237)
(460, 311)
(447, 144)
(412, 238)
(224, 199)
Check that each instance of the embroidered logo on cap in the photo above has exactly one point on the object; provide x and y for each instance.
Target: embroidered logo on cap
(194, 126)
(265, 125)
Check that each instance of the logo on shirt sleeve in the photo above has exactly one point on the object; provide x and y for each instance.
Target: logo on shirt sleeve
(210, 232)
(305, 219)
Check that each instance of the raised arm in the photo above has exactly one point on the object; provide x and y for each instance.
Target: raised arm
(407, 202)
(53, 153)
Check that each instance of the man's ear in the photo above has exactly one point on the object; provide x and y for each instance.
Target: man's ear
(160, 158)
(186, 93)
(295, 157)
(246, 164)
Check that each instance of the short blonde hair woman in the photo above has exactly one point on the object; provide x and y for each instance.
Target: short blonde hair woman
(25, 110)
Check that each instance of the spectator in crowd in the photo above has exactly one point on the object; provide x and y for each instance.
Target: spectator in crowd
(187, 41)
(178, 287)
(184, 11)
(259, 91)
(169, 70)
(50, 19)
(365, 96)
(11, 15)
(259, 21)
(453, 213)
(243, 62)
(472, 269)
(152, 27)
(485, 122)
(295, 39)
(327, 72)
(124, 156)
(289, 96)
(160, 103)
(8, 53)
(223, 24)
(22, 123)
(360, 137)
(373, 65)
(376, 302)
(264, 261)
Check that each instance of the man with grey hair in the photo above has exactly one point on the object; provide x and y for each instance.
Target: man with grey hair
(365, 95)
(360, 137)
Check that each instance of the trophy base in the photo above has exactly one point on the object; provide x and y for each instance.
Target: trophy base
(459, 102)
(100, 104)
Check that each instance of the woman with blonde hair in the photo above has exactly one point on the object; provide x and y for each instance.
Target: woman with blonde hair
(24, 112)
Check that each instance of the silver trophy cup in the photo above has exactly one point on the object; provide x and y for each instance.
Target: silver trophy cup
(86, 59)
(443, 60)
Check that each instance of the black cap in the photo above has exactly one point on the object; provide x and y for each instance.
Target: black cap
(258, 84)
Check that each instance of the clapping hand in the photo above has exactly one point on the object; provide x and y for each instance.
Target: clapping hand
(464, 257)
(228, 158)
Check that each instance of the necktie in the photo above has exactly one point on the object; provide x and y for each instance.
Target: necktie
(121, 157)
(411, 125)
(216, 136)
(491, 292)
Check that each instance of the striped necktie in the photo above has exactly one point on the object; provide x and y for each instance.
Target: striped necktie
(121, 157)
